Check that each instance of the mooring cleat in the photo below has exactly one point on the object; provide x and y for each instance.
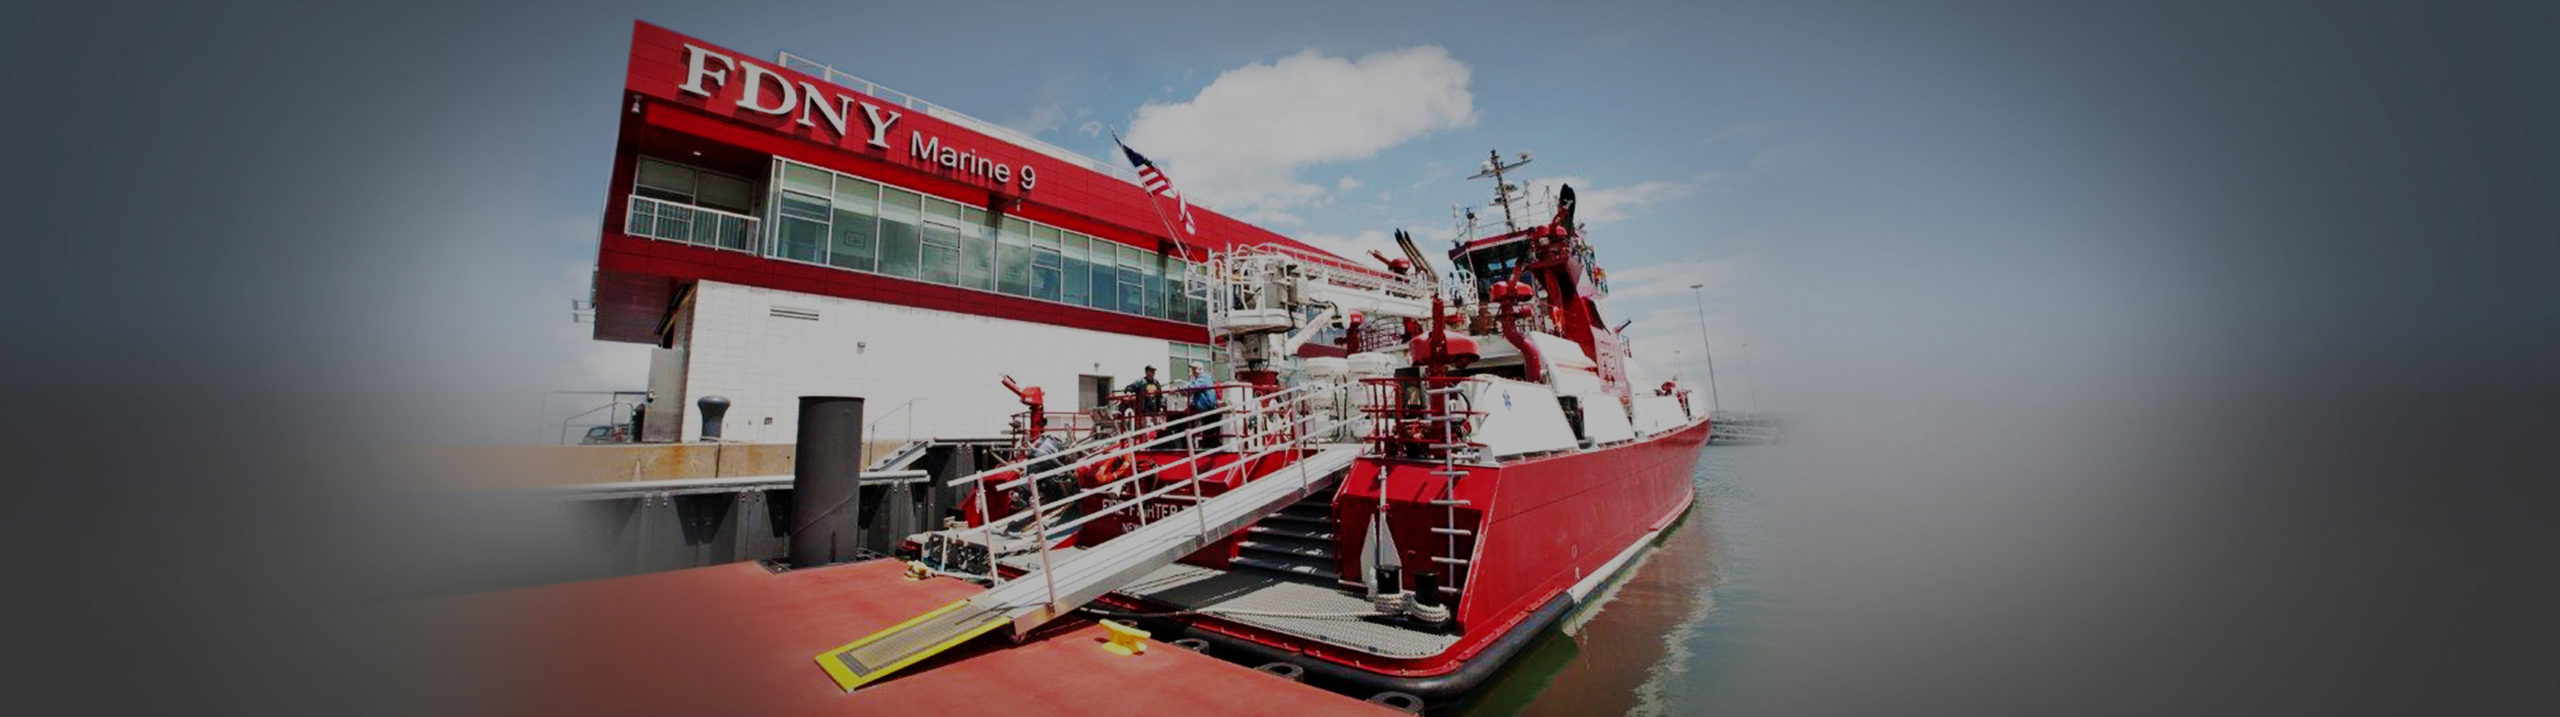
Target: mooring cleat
(1124, 640)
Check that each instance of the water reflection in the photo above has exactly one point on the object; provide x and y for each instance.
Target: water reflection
(1648, 646)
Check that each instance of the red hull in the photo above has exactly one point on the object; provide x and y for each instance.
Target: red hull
(1541, 528)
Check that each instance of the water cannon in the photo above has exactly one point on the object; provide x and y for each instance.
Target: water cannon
(1034, 401)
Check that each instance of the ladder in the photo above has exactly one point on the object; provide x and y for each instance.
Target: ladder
(1067, 581)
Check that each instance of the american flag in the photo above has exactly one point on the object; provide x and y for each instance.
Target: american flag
(1158, 185)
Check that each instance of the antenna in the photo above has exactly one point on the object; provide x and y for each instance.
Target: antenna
(1502, 190)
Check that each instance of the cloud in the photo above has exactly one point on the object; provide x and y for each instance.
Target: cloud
(1601, 205)
(1091, 128)
(1240, 142)
(1346, 184)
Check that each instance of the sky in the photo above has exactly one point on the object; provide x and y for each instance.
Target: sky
(1331, 132)
(2148, 357)
(1866, 192)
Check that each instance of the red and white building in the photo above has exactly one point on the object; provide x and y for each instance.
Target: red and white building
(779, 228)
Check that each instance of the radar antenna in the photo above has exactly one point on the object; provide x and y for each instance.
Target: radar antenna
(1502, 189)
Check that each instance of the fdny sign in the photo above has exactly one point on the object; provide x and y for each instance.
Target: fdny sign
(767, 91)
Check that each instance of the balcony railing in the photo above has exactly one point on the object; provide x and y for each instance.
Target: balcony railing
(699, 226)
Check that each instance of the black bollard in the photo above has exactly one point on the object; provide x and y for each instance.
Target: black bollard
(826, 481)
(714, 407)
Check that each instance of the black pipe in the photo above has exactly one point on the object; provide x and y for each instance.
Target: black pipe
(825, 481)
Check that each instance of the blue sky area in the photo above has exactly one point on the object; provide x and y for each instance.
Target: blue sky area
(1356, 127)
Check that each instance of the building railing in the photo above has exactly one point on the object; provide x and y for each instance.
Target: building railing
(699, 226)
(1008, 134)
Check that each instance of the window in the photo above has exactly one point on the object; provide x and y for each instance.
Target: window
(659, 179)
(820, 216)
(681, 193)
(1176, 305)
(725, 193)
(977, 250)
(1181, 355)
(941, 253)
(1151, 267)
(901, 250)
(1106, 275)
(1133, 288)
(1079, 269)
(802, 229)
(1013, 257)
(1046, 263)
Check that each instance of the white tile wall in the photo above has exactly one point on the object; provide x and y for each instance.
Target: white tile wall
(953, 363)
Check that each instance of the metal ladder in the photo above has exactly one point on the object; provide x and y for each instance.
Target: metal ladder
(1450, 447)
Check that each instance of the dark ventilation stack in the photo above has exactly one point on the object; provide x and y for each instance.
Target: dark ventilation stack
(713, 408)
(825, 481)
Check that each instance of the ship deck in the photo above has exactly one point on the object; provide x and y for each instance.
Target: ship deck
(1279, 605)
(737, 639)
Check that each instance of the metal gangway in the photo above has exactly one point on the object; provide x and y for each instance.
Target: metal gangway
(1275, 423)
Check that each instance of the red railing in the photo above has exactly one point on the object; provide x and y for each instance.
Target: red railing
(1418, 417)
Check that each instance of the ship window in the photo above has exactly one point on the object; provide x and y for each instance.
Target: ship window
(857, 211)
(977, 251)
(901, 254)
(1079, 269)
(1013, 257)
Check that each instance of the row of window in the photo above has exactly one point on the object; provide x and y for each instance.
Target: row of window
(830, 218)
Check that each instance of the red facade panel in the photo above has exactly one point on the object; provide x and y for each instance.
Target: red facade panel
(699, 93)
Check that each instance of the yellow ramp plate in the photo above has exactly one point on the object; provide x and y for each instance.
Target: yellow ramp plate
(907, 643)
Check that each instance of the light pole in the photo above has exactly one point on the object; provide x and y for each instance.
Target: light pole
(1715, 402)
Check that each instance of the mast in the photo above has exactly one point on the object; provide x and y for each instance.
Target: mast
(1502, 189)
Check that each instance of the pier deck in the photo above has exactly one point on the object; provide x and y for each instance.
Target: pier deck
(736, 639)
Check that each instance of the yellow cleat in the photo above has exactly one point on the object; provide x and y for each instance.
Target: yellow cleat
(1125, 640)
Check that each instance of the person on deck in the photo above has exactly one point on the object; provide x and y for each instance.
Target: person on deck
(1147, 393)
(1203, 392)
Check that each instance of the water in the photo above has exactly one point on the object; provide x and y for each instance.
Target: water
(1651, 646)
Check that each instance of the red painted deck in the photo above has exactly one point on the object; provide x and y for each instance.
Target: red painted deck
(735, 639)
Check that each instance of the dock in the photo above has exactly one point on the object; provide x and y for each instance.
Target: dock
(737, 639)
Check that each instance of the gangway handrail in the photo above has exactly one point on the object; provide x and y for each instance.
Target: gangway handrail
(1160, 469)
(1043, 532)
(1247, 438)
(1019, 465)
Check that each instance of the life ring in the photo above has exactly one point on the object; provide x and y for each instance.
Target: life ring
(1109, 470)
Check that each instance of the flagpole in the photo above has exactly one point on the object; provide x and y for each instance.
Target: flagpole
(1169, 233)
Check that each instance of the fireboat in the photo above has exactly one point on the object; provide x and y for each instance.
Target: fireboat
(1400, 519)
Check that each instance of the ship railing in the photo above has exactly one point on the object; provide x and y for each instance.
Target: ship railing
(690, 224)
(1275, 422)
(1437, 405)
